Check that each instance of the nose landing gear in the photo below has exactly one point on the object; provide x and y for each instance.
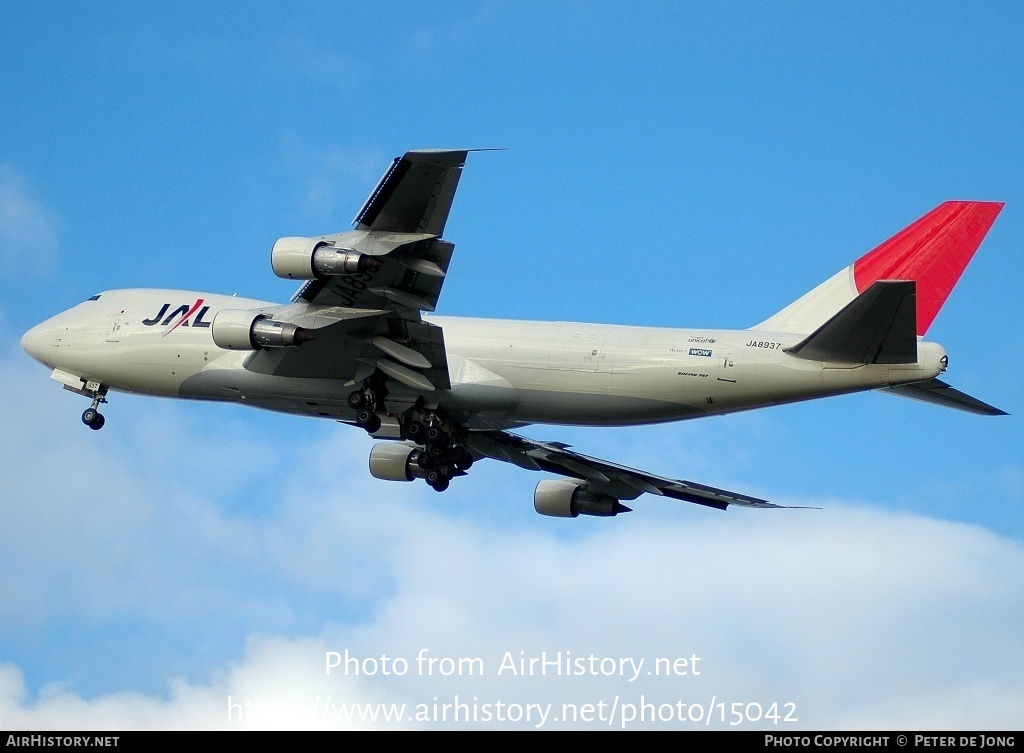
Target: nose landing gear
(92, 417)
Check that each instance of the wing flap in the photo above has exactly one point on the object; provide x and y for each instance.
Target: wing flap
(406, 376)
(400, 352)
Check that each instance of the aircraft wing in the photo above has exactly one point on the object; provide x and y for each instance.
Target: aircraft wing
(401, 222)
(601, 476)
(379, 323)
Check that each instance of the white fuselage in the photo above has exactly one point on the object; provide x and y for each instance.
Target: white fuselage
(503, 373)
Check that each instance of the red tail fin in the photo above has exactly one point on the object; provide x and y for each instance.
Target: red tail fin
(934, 251)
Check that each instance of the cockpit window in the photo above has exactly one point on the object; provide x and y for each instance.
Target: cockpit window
(94, 298)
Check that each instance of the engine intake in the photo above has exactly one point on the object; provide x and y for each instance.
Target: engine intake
(570, 499)
(308, 258)
(234, 329)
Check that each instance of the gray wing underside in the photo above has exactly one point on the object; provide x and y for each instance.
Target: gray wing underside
(415, 194)
(401, 223)
(601, 476)
(409, 351)
(372, 320)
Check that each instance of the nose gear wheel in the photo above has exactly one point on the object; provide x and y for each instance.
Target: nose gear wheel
(92, 417)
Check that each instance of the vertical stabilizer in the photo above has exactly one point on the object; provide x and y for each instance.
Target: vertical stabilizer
(933, 252)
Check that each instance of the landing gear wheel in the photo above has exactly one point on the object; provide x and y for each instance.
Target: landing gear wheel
(437, 480)
(414, 430)
(357, 400)
(93, 419)
(368, 420)
(435, 434)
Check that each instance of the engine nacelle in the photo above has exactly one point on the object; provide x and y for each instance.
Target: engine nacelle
(309, 258)
(393, 461)
(235, 329)
(570, 499)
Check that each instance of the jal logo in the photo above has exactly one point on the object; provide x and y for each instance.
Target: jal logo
(700, 352)
(179, 317)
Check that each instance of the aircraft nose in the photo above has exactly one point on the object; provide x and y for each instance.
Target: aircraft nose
(36, 341)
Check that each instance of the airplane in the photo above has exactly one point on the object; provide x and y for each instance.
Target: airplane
(359, 343)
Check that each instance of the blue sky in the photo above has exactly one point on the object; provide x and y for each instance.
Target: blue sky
(668, 165)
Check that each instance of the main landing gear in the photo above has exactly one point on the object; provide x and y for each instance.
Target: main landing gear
(442, 451)
(366, 402)
(92, 417)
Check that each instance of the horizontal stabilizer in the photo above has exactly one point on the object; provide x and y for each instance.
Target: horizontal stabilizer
(938, 392)
(878, 326)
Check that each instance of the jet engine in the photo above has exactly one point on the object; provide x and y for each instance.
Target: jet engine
(393, 461)
(570, 499)
(309, 258)
(235, 329)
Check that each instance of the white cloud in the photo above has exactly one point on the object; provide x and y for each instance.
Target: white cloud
(861, 618)
(28, 241)
(256, 695)
(858, 616)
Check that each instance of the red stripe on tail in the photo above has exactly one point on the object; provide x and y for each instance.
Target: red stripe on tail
(934, 251)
